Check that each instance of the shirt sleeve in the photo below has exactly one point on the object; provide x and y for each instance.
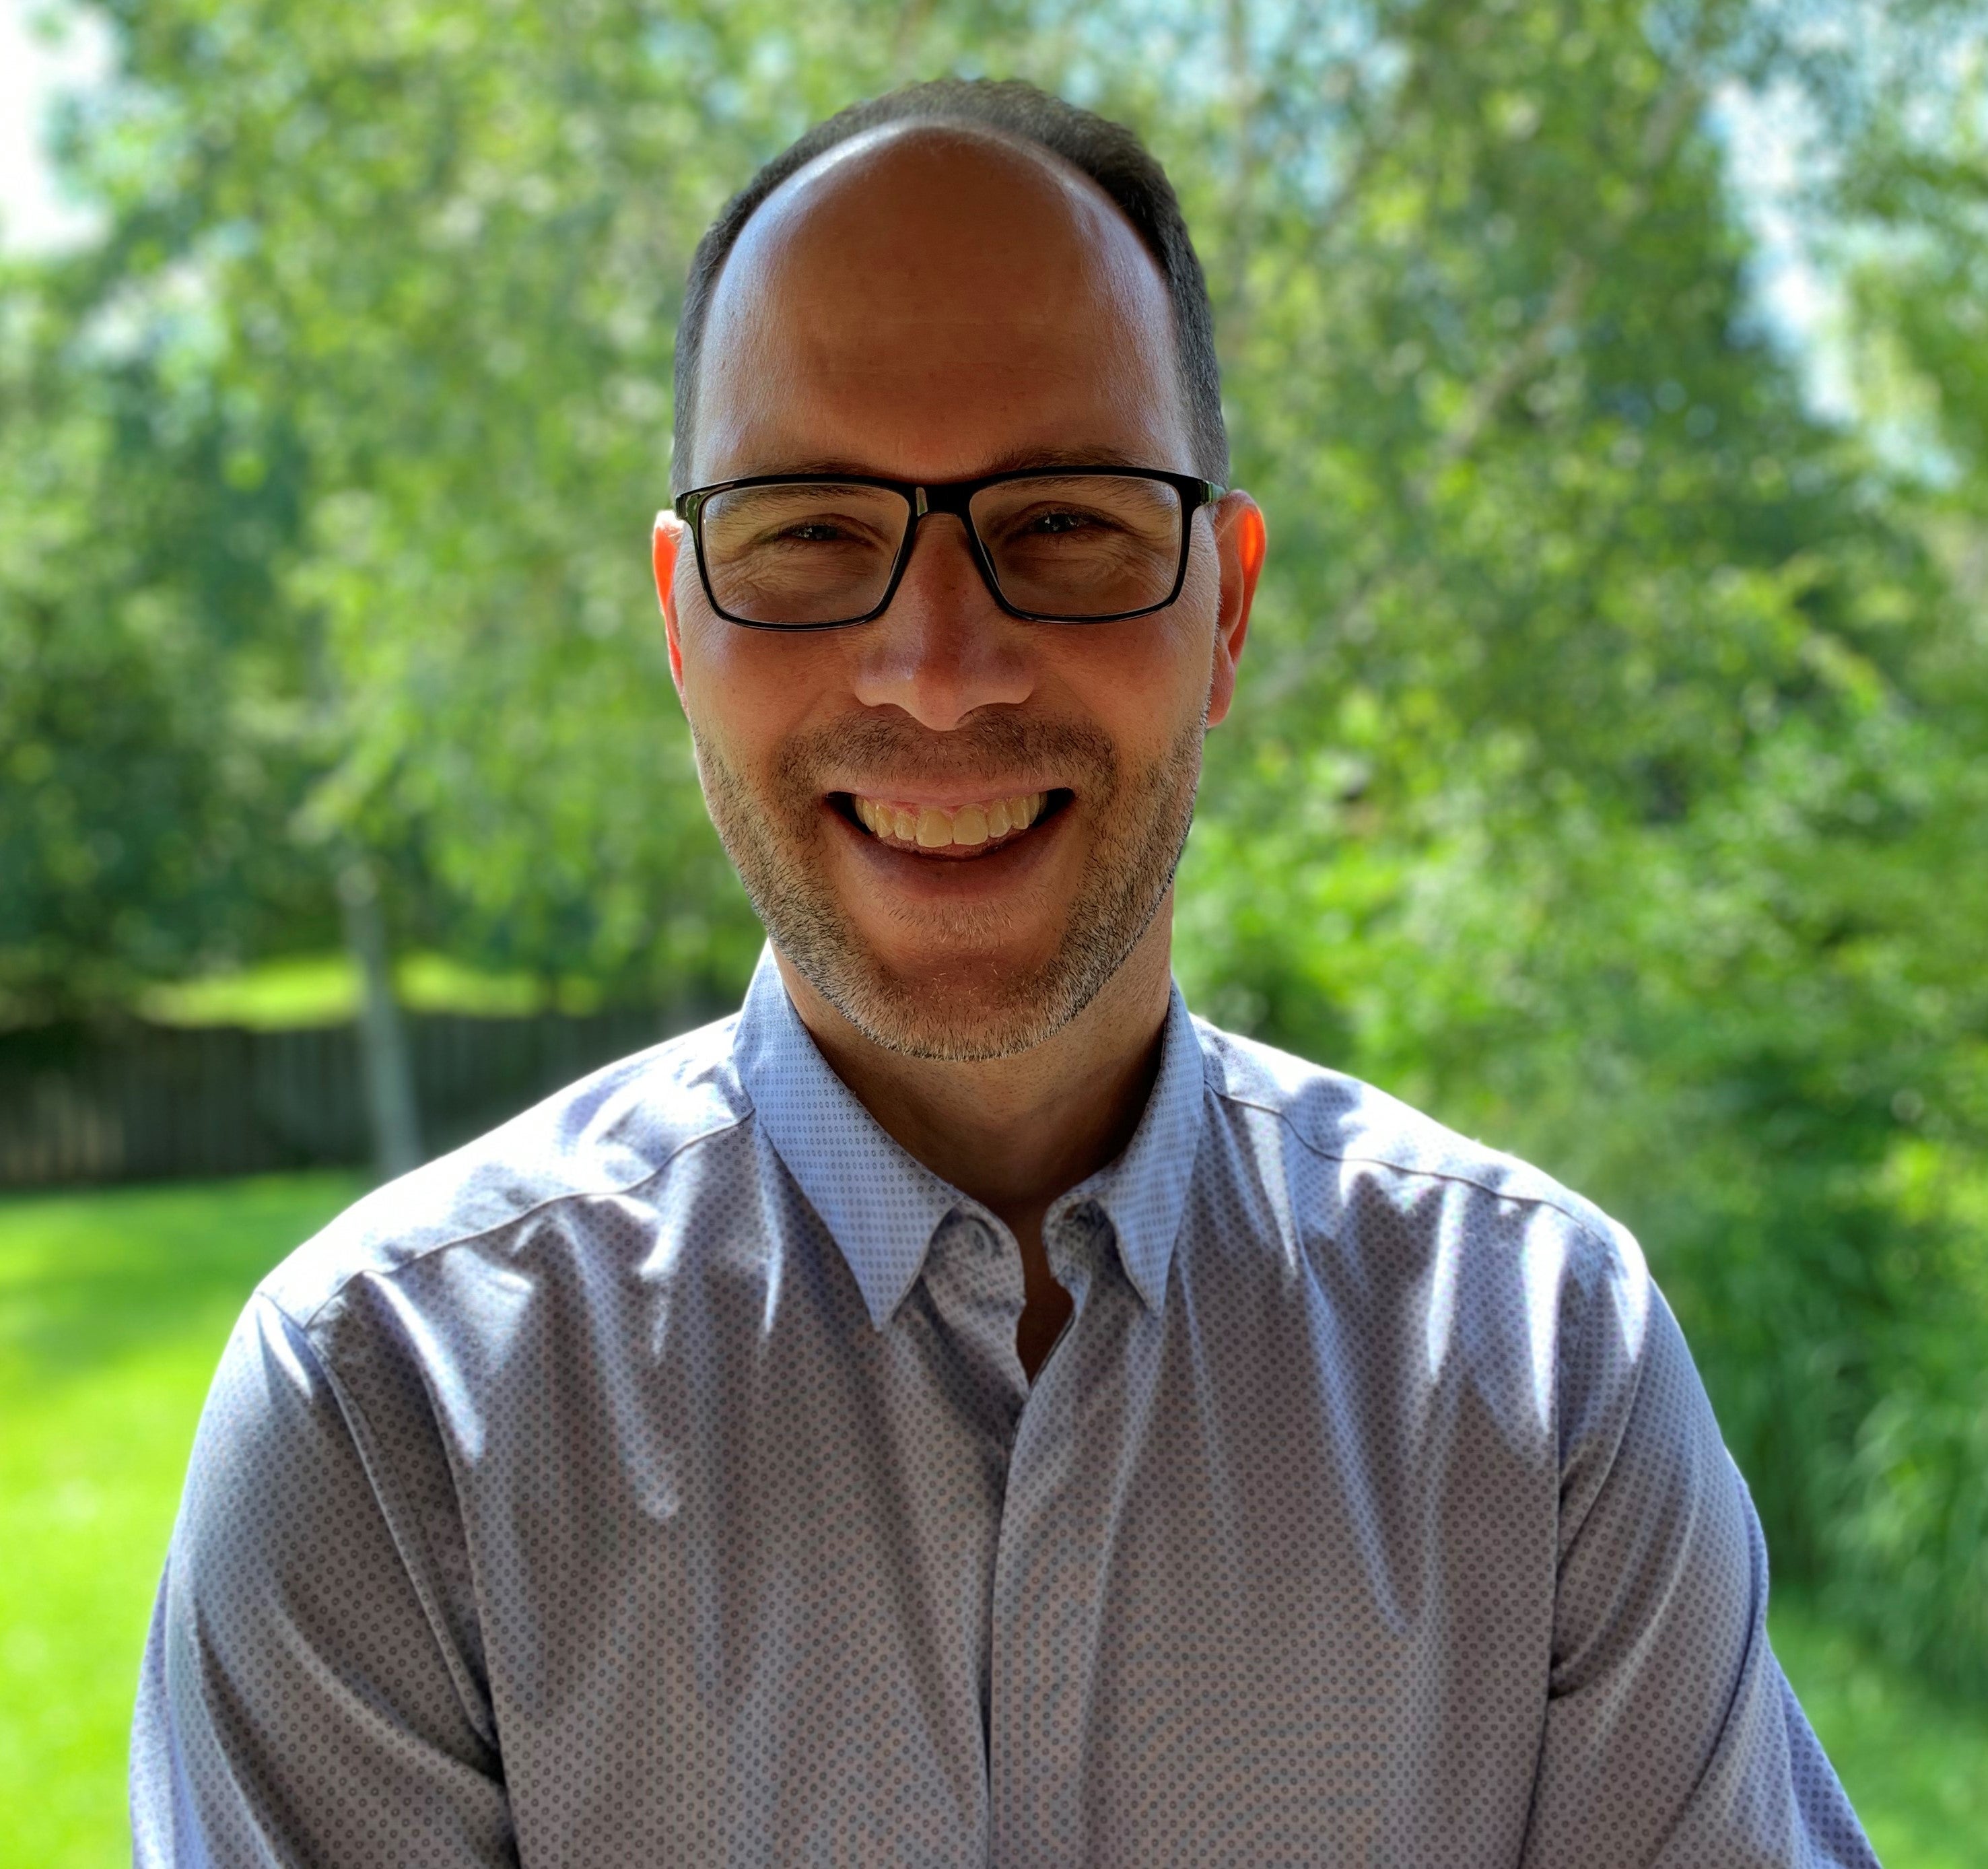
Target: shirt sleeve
(1673, 1740)
(302, 1701)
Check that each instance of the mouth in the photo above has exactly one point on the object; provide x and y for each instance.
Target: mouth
(974, 829)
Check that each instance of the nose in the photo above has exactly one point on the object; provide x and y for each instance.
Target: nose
(945, 647)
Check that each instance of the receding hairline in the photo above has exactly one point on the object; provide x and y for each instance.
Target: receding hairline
(960, 132)
(778, 218)
(1062, 137)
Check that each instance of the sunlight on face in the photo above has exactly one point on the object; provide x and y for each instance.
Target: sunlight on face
(957, 824)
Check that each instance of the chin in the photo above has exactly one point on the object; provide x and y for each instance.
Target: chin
(987, 1002)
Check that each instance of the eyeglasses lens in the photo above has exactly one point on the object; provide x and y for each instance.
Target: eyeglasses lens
(802, 552)
(1072, 546)
(1082, 544)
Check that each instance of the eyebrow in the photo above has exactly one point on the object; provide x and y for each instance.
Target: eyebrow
(1006, 463)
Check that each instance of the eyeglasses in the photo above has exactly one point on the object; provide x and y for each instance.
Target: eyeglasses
(1053, 545)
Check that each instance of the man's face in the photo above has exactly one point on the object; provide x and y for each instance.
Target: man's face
(958, 825)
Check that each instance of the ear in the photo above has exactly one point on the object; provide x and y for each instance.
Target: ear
(665, 543)
(1241, 541)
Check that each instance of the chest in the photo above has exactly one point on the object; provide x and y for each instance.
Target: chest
(1224, 1584)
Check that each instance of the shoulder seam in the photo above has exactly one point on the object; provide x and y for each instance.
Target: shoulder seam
(524, 1213)
(1577, 1221)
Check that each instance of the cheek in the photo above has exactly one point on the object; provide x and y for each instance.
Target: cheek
(1148, 678)
(1194, 616)
(746, 690)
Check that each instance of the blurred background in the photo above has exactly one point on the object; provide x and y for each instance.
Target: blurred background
(1610, 775)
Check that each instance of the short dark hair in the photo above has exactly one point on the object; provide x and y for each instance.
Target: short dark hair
(1110, 154)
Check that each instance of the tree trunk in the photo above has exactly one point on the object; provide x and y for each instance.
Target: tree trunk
(383, 1037)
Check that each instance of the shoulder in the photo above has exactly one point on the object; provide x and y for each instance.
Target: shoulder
(617, 1133)
(1418, 1237)
(1351, 1140)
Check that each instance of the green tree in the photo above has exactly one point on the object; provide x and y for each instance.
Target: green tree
(1903, 221)
(1609, 778)
(141, 835)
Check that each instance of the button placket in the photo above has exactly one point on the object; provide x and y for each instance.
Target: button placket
(1029, 1785)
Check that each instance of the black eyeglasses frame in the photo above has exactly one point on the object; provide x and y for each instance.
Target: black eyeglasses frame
(950, 496)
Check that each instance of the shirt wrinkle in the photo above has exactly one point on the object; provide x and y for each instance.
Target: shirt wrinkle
(470, 1694)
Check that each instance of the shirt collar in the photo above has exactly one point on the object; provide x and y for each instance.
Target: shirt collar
(882, 1206)
(1144, 1192)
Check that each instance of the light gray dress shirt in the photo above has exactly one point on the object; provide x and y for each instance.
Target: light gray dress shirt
(654, 1482)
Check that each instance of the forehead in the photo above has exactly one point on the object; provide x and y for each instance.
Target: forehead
(936, 302)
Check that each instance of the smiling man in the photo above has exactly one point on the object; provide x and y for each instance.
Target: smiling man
(962, 1410)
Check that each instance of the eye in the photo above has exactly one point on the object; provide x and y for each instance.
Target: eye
(824, 529)
(1061, 521)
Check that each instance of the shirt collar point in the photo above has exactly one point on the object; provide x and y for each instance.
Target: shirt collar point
(882, 1302)
(1144, 1193)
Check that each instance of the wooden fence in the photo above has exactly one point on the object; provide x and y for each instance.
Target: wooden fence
(137, 1101)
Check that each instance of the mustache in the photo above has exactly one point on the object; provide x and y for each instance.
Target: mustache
(885, 747)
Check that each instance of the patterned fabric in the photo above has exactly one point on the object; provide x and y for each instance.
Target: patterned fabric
(655, 1482)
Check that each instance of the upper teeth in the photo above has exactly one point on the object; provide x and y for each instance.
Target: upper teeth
(933, 827)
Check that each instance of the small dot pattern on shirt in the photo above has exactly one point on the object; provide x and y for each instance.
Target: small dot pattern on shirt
(656, 1481)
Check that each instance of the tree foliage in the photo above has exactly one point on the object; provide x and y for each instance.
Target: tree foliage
(1607, 776)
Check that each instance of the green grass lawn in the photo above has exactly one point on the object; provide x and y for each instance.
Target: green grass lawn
(113, 1308)
(1915, 1766)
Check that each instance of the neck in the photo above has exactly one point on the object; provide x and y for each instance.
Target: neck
(1016, 1132)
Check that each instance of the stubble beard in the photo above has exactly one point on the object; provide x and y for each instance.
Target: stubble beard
(969, 1009)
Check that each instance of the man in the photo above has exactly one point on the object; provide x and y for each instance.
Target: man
(962, 1409)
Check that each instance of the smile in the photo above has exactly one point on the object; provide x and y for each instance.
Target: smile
(947, 830)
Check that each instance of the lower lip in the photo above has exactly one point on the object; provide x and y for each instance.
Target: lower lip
(955, 874)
